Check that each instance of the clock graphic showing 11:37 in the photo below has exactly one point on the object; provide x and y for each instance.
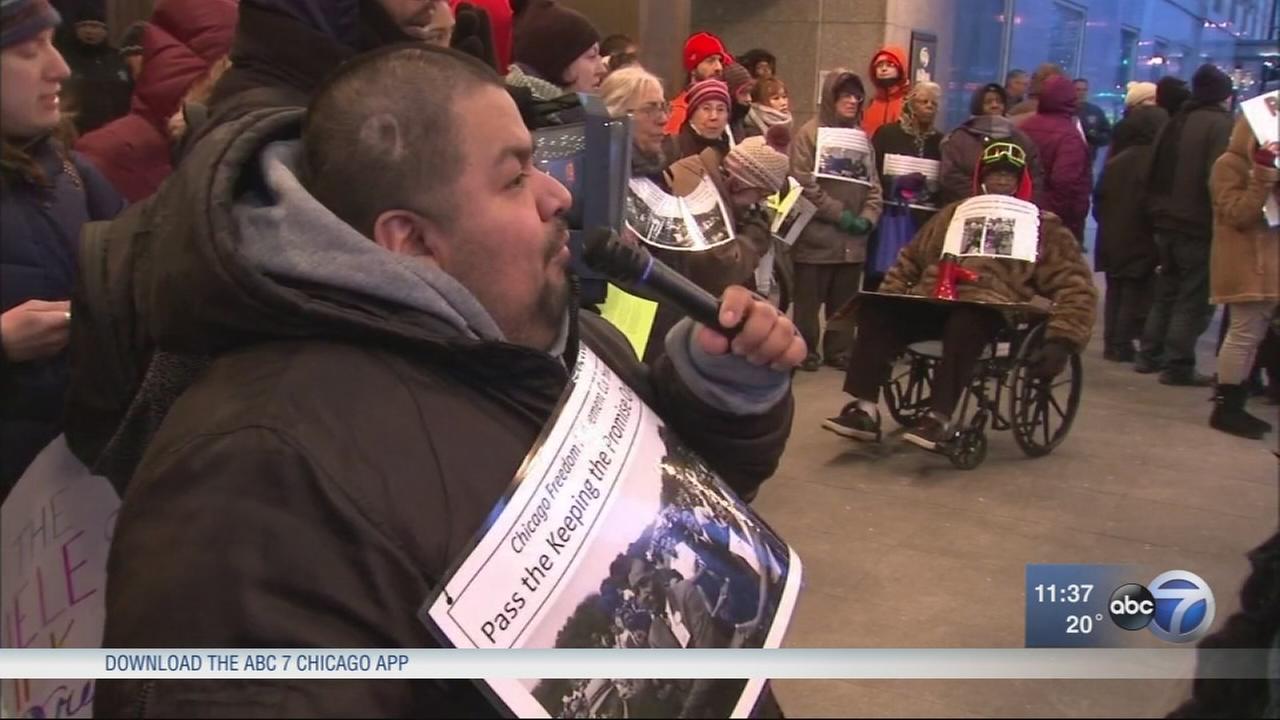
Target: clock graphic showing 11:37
(1066, 606)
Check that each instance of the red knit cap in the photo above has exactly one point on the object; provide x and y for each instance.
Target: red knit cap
(701, 46)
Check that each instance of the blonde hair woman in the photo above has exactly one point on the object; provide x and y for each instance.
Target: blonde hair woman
(637, 92)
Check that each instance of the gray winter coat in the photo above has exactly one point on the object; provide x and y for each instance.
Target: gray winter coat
(823, 242)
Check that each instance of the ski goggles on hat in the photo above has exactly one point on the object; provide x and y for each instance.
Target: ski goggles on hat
(1005, 152)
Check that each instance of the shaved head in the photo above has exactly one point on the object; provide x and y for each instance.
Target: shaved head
(382, 134)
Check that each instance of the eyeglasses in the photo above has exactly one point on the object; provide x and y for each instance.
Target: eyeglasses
(654, 108)
(1006, 151)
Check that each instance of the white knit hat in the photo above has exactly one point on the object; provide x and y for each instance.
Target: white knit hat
(1138, 92)
(762, 162)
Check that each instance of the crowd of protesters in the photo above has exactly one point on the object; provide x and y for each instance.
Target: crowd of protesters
(249, 150)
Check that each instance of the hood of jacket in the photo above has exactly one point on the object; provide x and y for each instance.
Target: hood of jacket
(899, 57)
(257, 258)
(1024, 192)
(1243, 142)
(827, 112)
(181, 42)
(249, 257)
(975, 102)
(1140, 126)
(1058, 97)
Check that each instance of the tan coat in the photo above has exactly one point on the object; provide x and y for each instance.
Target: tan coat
(1059, 274)
(1245, 261)
(822, 241)
(733, 263)
(714, 270)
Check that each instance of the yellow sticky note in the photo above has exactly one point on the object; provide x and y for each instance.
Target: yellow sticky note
(630, 314)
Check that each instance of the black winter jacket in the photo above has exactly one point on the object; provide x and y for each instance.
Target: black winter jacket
(1126, 244)
(1184, 154)
(315, 480)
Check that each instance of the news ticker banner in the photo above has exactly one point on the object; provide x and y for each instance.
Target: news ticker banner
(762, 664)
(1114, 606)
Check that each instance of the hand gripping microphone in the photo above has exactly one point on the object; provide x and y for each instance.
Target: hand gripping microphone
(636, 271)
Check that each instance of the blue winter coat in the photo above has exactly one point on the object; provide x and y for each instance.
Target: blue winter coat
(39, 235)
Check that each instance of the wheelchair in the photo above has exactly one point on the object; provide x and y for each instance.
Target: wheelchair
(1039, 411)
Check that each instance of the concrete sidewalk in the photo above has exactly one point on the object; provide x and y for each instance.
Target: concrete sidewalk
(902, 550)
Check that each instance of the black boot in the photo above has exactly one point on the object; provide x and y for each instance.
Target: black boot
(1229, 414)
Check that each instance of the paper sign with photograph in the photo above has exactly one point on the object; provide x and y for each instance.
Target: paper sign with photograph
(1263, 114)
(926, 195)
(615, 535)
(994, 226)
(844, 154)
(57, 525)
(791, 213)
(698, 221)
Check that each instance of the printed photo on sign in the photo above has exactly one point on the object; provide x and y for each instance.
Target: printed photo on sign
(698, 221)
(912, 181)
(56, 525)
(616, 535)
(844, 154)
(707, 213)
(791, 213)
(994, 226)
(1263, 114)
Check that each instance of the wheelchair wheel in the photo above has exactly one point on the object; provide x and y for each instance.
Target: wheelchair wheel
(1041, 411)
(970, 449)
(910, 390)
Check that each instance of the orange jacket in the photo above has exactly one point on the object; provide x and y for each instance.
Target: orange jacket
(679, 112)
(887, 106)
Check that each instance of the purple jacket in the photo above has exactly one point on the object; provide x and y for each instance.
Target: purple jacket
(1068, 176)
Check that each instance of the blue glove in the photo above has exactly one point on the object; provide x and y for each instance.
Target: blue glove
(854, 224)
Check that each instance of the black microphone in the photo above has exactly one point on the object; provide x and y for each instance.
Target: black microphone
(640, 273)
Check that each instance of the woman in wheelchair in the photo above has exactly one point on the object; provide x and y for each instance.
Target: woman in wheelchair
(886, 328)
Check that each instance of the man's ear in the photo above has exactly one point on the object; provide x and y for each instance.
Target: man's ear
(406, 233)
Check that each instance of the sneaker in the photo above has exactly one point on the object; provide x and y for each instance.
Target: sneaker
(854, 423)
(1145, 364)
(929, 433)
(1184, 377)
(811, 363)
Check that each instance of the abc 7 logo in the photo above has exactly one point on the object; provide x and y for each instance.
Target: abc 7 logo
(1178, 608)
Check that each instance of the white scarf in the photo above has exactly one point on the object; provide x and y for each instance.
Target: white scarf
(765, 117)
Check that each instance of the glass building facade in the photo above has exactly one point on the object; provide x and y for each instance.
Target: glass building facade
(1108, 42)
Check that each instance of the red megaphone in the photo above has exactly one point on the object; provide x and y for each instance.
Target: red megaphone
(951, 274)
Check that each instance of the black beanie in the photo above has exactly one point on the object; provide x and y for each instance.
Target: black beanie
(548, 38)
(1171, 92)
(1210, 85)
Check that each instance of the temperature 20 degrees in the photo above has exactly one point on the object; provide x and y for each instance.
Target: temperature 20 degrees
(1082, 624)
